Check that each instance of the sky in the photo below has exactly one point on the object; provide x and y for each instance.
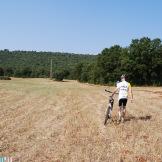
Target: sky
(77, 26)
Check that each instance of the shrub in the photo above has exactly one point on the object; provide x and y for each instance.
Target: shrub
(60, 75)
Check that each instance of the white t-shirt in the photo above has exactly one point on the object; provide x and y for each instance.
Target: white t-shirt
(123, 89)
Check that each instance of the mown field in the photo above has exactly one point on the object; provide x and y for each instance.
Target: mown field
(46, 121)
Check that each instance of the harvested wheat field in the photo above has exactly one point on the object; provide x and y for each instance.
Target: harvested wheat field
(46, 121)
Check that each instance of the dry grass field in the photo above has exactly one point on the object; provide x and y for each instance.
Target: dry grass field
(46, 121)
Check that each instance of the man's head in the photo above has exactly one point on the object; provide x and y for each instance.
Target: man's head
(123, 76)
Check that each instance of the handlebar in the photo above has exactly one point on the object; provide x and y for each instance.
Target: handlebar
(109, 91)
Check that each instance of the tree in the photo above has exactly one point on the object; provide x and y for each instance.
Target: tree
(145, 61)
(60, 75)
(1, 72)
(26, 72)
(109, 64)
(78, 71)
(9, 71)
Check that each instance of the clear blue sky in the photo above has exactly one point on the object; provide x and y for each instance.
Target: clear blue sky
(78, 26)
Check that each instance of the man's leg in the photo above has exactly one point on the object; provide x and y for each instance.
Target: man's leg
(123, 114)
(124, 109)
(119, 111)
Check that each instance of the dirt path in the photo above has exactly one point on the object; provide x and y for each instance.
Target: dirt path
(46, 121)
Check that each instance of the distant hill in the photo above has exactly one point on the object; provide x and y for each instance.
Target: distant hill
(37, 64)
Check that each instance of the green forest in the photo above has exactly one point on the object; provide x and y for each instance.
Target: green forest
(32, 64)
(141, 61)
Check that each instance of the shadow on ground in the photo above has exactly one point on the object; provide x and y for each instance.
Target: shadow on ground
(145, 118)
(130, 118)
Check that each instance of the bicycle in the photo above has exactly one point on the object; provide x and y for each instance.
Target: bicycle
(108, 114)
(109, 109)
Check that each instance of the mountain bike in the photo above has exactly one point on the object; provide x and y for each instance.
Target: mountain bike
(109, 109)
(108, 114)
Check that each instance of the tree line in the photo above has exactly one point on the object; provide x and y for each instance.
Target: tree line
(141, 61)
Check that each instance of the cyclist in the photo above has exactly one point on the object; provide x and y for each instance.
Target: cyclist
(124, 87)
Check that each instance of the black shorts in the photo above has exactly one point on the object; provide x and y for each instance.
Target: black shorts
(123, 102)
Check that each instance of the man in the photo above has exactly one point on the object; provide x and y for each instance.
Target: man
(124, 87)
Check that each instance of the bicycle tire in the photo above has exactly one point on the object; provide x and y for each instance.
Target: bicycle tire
(107, 115)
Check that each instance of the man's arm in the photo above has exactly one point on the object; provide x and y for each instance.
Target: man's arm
(114, 91)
